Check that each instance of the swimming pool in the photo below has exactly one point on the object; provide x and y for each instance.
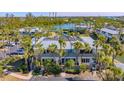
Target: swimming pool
(65, 26)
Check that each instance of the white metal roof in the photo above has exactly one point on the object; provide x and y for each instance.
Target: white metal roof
(47, 42)
(114, 32)
(88, 40)
(32, 29)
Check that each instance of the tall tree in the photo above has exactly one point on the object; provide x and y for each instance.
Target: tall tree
(78, 46)
(87, 47)
(62, 44)
(97, 44)
(117, 48)
(26, 43)
(52, 48)
(38, 50)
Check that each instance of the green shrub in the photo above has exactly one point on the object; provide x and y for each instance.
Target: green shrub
(54, 69)
(70, 63)
(23, 68)
(1, 70)
(51, 67)
(72, 71)
(36, 71)
(83, 67)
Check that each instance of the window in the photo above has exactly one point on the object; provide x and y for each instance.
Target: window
(76, 63)
(62, 62)
(85, 60)
(104, 32)
(82, 51)
(43, 60)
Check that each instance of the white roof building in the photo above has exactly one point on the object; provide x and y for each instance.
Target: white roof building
(86, 58)
(46, 42)
(110, 31)
(30, 29)
(88, 40)
(69, 44)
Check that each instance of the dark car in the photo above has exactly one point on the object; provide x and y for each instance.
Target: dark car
(9, 45)
(18, 52)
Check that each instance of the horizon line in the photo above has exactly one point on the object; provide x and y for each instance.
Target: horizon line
(65, 14)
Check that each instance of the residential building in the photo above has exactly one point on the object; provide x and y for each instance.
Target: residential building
(29, 30)
(70, 52)
(109, 33)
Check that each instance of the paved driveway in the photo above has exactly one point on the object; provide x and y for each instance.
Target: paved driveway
(120, 65)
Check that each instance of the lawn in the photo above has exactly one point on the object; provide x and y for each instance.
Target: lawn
(120, 58)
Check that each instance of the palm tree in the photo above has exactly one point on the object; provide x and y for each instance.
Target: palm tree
(26, 43)
(37, 36)
(1, 70)
(53, 49)
(97, 44)
(112, 74)
(113, 41)
(107, 49)
(117, 48)
(100, 58)
(87, 47)
(102, 38)
(8, 37)
(107, 61)
(3, 38)
(78, 46)
(62, 44)
(117, 72)
(39, 50)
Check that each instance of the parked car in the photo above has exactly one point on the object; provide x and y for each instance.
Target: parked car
(20, 51)
(12, 43)
(9, 45)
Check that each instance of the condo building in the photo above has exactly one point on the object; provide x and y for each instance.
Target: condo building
(109, 33)
(70, 52)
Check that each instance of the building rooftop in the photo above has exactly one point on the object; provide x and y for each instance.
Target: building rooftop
(30, 29)
(114, 32)
(88, 40)
(48, 42)
(69, 41)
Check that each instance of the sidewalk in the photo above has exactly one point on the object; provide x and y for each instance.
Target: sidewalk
(21, 76)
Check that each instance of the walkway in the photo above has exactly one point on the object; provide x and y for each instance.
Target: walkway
(87, 76)
(45, 78)
(28, 77)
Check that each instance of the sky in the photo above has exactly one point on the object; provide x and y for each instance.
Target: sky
(67, 13)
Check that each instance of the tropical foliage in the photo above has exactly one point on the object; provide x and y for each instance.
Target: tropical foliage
(105, 50)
